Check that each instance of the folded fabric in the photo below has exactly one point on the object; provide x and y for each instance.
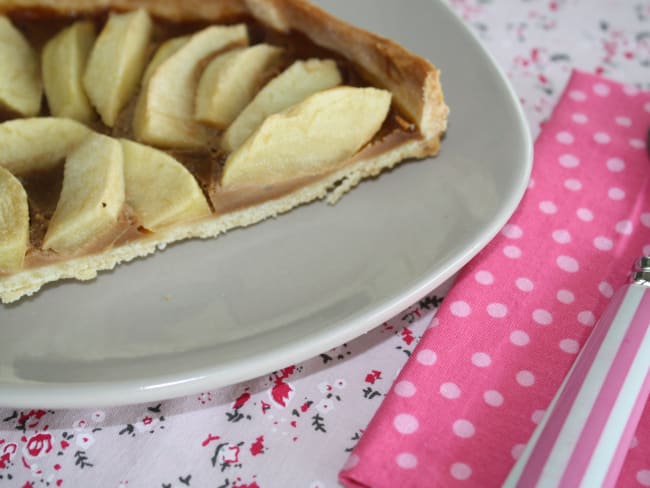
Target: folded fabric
(469, 398)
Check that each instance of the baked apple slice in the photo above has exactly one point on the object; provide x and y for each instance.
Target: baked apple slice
(92, 196)
(159, 189)
(300, 80)
(63, 63)
(310, 138)
(231, 80)
(165, 112)
(164, 51)
(117, 62)
(14, 223)
(38, 143)
(21, 89)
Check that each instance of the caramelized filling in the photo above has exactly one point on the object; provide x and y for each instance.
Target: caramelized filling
(43, 188)
(205, 164)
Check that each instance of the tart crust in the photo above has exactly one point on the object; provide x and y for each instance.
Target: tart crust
(413, 81)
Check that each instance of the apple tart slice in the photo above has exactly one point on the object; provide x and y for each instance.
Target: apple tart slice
(126, 129)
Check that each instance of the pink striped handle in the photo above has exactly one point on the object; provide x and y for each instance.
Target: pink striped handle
(589, 425)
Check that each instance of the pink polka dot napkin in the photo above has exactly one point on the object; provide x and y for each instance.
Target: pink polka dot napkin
(469, 398)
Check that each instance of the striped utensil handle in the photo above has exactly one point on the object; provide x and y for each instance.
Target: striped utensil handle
(587, 429)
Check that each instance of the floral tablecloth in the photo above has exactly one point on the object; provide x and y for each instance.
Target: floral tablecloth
(296, 427)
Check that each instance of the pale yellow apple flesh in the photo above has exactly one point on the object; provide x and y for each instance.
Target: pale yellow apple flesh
(21, 89)
(300, 80)
(230, 82)
(165, 111)
(38, 143)
(14, 223)
(116, 63)
(164, 51)
(92, 196)
(63, 63)
(159, 189)
(310, 138)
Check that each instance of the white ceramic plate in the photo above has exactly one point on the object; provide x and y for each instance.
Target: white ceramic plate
(206, 314)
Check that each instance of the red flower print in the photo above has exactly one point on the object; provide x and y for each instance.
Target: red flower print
(325, 406)
(251, 485)
(98, 416)
(4, 459)
(286, 372)
(39, 445)
(324, 387)
(257, 447)
(407, 336)
(35, 414)
(241, 400)
(146, 424)
(231, 455)
(209, 439)
(281, 392)
(373, 376)
(84, 440)
(7, 453)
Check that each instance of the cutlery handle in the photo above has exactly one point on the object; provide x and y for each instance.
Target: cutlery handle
(585, 434)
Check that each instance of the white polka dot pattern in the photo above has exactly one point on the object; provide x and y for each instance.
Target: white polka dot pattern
(516, 450)
(537, 416)
(497, 310)
(519, 337)
(565, 296)
(524, 284)
(580, 118)
(564, 137)
(548, 207)
(569, 161)
(463, 428)
(450, 390)
(493, 398)
(542, 317)
(602, 138)
(587, 317)
(616, 194)
(561, 236)
(460, 309)
(570, 346)
(643, 477)
(585, 214)
(460, 471)
(615, 165)
(513, 252)
(520, 312)
(568, 264)
(525, 378)
(405, 423)
(426, 357)
(484, 277)
(405, 389)
(481, 359)
(406, 460)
